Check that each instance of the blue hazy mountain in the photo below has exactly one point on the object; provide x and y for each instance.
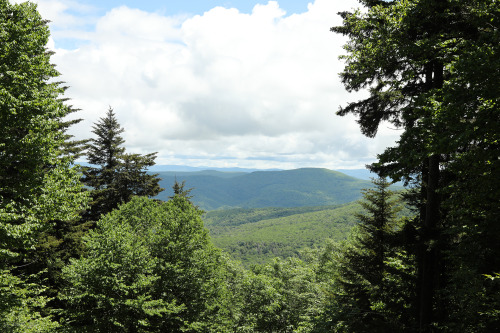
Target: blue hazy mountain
(213, 189)
(183, 168)
(216, 188)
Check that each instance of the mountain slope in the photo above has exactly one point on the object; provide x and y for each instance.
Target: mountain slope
(288, 188)
(257, 235)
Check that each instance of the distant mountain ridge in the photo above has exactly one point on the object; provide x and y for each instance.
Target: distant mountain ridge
(184, 168)
(287, 188)
(357, 173)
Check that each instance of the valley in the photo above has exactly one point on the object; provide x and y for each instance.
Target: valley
(256, 216)
(256, 236)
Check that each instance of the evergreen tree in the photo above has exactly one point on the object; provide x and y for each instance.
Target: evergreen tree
(132, 178)
(117, 176)
(360, 300)
(105, 150)
(37, 182)
(57, 246)
(419, 60)
(179, 189)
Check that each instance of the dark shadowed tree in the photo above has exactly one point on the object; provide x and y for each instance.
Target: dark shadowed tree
(431, 68)
(360, 298)
(179, 190)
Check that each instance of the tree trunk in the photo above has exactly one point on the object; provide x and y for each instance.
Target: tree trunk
(429, 270)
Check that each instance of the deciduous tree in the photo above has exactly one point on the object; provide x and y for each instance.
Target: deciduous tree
(37, 183)
(150, 266)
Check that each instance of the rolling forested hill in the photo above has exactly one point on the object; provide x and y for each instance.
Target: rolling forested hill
(259, 234)
(289, 188)
(256, 235)
(256, 216)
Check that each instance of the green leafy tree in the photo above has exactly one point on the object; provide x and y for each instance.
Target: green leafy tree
(20, 304)
(279, 297)
(149, 266)
(37, 183)
(116, 176)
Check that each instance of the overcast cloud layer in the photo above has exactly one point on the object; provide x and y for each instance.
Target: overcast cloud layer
(221, 89)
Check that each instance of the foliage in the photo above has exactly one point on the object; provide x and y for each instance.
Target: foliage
(431, 67)
(256, 235)
(179, 190)
(239, 216)
(367, 280)
(116, 176)
(150, 266)
(19, 303)
(37, 183)
(269, 237)
(282, 296)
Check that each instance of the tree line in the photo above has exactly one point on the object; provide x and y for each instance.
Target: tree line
(85, 249)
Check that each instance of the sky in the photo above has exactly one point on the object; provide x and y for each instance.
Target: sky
(250, 84)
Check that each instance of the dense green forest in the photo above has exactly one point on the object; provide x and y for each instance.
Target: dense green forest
(89, 249)
(258, 235)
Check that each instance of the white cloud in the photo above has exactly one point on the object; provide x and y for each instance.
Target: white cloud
(58, 12)
(222, 88)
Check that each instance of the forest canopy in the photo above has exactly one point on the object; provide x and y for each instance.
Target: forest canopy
(87, 249)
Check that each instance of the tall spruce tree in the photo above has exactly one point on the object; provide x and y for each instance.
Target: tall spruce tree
(116, 176)
(418, 59)
(105, 151)
(360, 301)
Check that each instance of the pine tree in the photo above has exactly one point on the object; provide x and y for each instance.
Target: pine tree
(105, 151)
(360, 285)
(132, 177)
(179, 190)
(116, 176)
